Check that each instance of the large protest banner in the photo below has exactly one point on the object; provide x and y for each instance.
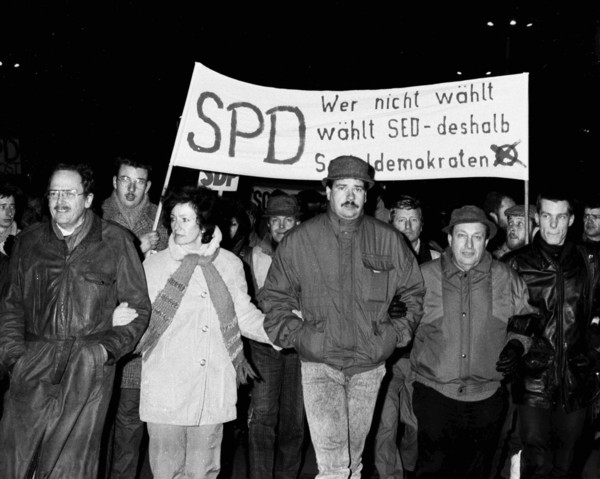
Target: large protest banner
(472, 128)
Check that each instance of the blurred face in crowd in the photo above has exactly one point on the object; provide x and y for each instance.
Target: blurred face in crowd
(409, 222)
(280, 225)
(131, 185)
(515, 234)
(468, 242)
(66, 199)
(504, 205)
(554, 220)
(591, 223)
(347, 197)
(184, 224)
(7, 211)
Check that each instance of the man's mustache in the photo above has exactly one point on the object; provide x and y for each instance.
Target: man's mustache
(350, 203)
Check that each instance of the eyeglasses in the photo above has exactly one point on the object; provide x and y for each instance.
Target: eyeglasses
(591, 217)
(141, 182)
(7, 207)
(69, 194)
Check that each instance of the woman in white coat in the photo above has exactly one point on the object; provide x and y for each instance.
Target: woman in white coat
(192, 350)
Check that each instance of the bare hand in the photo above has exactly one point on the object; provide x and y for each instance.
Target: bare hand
(123, 315)
(149, 241)
(245, 371)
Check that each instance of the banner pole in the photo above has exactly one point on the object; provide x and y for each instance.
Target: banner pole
(162, 194)
(526, 195)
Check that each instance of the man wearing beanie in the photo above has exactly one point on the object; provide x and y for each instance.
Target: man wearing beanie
(457, 398)
(556, 380)
(327, 294)
(276, 415)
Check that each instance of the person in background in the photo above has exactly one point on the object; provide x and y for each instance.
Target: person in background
(69, 280)
(591, 219)
(406, 215)
(327, 295)
(555, 382)
(8, 224)
(515, 234)
(276, 416)
(129, 205)
(495, 205)
(192, 351)
(458, 399)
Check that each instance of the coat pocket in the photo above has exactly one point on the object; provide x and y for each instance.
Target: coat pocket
(379, 268)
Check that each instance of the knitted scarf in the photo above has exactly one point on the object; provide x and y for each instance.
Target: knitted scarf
(131, 215)
(169, 298)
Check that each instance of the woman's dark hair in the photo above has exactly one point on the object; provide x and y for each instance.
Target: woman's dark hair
(204, 202)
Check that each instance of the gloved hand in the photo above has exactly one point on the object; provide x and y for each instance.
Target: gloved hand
(397, 308)
(509, 357)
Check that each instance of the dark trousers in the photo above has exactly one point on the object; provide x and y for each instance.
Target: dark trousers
(455, 438)
(549, 437)
(128, 435)
(276, 417)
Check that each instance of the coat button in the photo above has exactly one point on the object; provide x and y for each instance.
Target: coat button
(202, 362)
(205, 328)
(463, 355)
(204, 294)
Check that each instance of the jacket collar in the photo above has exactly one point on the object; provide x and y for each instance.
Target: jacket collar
(94, 234)
(342, 225)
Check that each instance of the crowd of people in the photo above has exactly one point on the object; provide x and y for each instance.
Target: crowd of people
(123, 337)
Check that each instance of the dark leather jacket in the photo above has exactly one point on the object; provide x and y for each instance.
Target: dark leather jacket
(562, 288)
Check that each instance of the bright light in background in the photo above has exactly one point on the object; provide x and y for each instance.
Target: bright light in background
(459, 73)
(0, 64)
(530, 24)
(488, 73)
(490, 24)
(513, 22)
(17, 65)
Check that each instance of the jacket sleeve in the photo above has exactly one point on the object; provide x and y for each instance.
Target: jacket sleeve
(131, 288)
(250, 318)
(12, 313)
(280, 297)
(411, 289)
(526, 322)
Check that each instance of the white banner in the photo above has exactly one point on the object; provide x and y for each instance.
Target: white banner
(474, 128)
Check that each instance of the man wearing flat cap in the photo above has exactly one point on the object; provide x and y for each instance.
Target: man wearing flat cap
(457, 398)
(517, 230)
(276, 415)
(328, 294)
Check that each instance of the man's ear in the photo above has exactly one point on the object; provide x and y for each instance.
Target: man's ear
(494, 217)
(148, 185)
(115, 182)
(449, 239)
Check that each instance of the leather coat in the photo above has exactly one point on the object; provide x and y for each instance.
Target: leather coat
(563, 290)
(55, 313)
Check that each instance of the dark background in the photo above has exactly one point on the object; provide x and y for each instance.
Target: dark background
(100, 79)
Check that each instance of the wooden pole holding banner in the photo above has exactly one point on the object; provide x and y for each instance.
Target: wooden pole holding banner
(526, 195)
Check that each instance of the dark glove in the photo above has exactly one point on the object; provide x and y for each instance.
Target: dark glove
(397, 308)
(9, 243)
(509, 357)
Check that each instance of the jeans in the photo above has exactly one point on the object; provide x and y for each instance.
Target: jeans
(190, 452)
(128, 434)
(339, 410)
(276, 416)
(549, 437)
(397, 402)
(456, 438)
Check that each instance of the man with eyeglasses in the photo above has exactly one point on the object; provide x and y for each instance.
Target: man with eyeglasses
(70, 279)
(130, 206)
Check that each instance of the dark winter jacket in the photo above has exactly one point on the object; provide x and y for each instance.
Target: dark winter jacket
(55, 316)
(342, 275)
(557, 369)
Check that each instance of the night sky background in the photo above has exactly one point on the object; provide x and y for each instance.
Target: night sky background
(100, 79)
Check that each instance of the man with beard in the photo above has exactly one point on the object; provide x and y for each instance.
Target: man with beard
(515, 231)
(130, 206)
(327, 295)
(69, 280)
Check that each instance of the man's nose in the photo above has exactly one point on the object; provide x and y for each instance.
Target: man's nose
(132, 186)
